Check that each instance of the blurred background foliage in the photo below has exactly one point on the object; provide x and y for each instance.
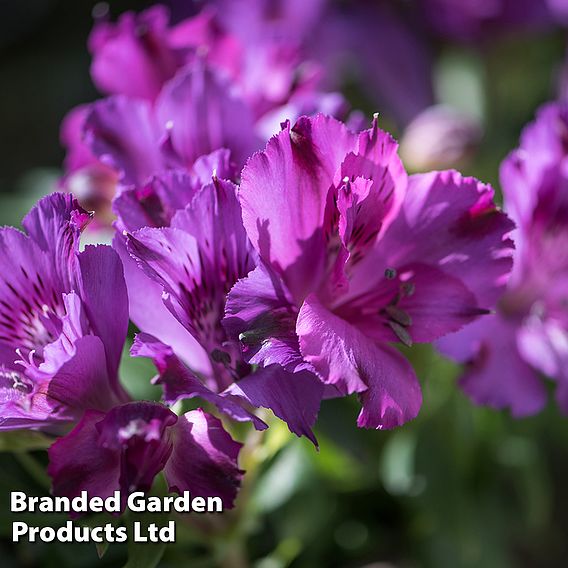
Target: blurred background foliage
(460, 486)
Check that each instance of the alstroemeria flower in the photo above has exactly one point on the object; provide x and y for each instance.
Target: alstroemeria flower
(257, 47)
(357, 256)
(195, 115)
(529, 333)
(63, 319)
(121, 141)
(191, 265)
(125, 448)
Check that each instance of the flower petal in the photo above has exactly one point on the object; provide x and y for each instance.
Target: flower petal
(149, 313)
(495, 375)
(293, 397)
(83, 381)
(123, 134)
(78, 463)
(204, 459)
(284, 193)
(179, 382)
(202, 114)
(141, 433)
(448, 225)
(103, 292)
(132, 56)
(260, 313)
(352, 362)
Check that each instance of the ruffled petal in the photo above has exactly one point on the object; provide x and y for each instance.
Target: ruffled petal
(393, 396)
(83, 381)
(418, 305)
(155, 203)
(202, 113)
(293, 397)
(450, 228)
(260, 313)
(55, 224)
(132, 56)
(150, 314)
(352, 362)
(216, 253)
(204, 459)
(284, 194)
(142, 434)
(179, 382)
(495, 375)
(124, 135)
(78, 463)
(374, 159)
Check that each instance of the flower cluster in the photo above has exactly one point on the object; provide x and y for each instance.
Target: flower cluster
(262, 274)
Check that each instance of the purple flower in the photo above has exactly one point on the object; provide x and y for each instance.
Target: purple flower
(256, 46)
(185, 271)
(357, 255)
(63, 319)
(125, 448)
(135, 56)
(528, 334)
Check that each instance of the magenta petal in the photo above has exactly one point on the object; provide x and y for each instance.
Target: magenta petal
(153, 250)
(352, 362)
(544, 345)
(204, 460)
(103, 291)
(376, 159)
(202, 114)
(180, 382)
(77, 462)
(424, 300)
(284, 193)
(260, 313)
(217, 164)
(148, 312)
(450, 223)
(55, 224)
(393, 396)
(154, 203)
(123, 134)
(24, 404)
(132, 56)
(215, 254)
(141, 433)
(214, 219)
(83, 382)
(327, 342)
(293, 397)
(78, 153)
(495, 375)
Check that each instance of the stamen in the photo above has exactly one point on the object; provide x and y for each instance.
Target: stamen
(401, 332)
(390, 273)
(398, 315)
